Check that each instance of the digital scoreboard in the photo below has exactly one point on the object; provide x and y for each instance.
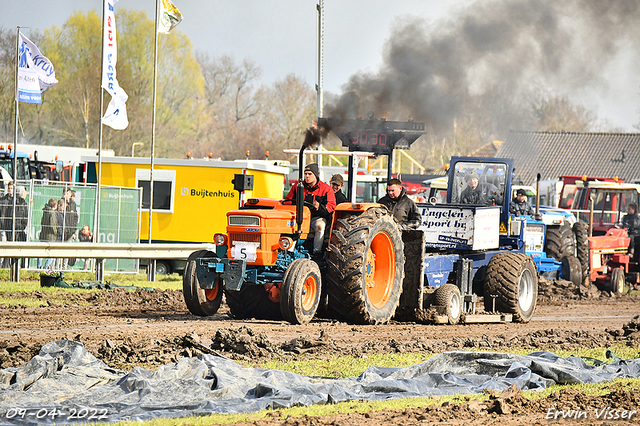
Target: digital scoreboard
(377, 136)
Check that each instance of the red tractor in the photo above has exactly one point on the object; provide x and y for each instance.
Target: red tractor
(611, 266)
(600, 207)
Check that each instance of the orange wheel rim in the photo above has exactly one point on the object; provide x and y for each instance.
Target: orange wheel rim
(309, 292)
(379, 269)
(212, 293)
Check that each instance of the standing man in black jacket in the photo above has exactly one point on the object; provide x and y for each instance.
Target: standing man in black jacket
(337, 181)
(403, 208)
(631, 222)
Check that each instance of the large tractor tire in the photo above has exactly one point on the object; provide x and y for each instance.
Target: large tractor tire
(558, 242)
(513, 278)
(572, 270)
(300, 291)
(449, 297)
(581, 233)
(365, 267)
(200, 302)
(252, 301)
(617, 281)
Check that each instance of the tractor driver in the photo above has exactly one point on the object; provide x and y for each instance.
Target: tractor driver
(403, 208)
(479, 193)
(631, 222)
(320, 199)
(519, 205)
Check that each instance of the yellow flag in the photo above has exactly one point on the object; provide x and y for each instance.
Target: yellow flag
(169, 18)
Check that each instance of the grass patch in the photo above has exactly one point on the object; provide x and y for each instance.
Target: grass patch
(346, 366)
(30, 281)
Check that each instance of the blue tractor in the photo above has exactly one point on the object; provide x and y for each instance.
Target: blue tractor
(473, 247)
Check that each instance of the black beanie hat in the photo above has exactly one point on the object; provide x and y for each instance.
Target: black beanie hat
(313, 168)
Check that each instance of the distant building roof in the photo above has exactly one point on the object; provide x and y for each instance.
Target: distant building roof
(553, 154)
(487, 150)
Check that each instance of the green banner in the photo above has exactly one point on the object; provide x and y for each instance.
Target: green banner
(118, 218)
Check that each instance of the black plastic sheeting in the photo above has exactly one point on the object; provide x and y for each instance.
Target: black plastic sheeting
(65, 384)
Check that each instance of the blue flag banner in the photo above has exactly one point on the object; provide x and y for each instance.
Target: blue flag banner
(35, 72)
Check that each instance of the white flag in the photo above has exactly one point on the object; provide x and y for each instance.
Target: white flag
(169, 18)
(116, 114)
(35, 72)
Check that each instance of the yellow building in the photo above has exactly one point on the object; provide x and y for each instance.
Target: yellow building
(191, 197)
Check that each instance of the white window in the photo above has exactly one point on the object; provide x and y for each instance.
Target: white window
(164, 182)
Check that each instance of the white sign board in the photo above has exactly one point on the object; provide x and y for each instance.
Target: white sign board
(486, 229)
(474, 228)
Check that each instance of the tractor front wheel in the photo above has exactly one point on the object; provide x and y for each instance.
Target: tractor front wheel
(365, 267)
(617, 280)
(300, 291)
(512, 277)
(200, 302)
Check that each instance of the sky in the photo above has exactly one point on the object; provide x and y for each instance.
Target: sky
(282, 38)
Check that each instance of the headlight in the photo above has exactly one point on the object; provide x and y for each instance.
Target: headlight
(285, 243)
(220, 239)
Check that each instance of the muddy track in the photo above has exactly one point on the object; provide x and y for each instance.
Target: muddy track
(152, 328)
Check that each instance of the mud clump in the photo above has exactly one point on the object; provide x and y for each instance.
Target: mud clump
(632, 328)
(16, 353)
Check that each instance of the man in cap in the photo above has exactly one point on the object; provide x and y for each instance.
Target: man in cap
(479, 193)
(337, 181)
(320, 199)
(403, 208)
(520, 205)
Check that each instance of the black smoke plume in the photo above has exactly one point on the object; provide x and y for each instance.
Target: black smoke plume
(492, 54)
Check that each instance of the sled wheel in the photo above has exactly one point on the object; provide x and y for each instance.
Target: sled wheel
(581, 233)
(617, 280)
(365, 267)
(559, 241)
(513, 278)
(572, 270)
(300, 292)
(200, 302)
(448, 295)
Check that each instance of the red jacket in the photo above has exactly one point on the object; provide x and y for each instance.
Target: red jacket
(322, 193)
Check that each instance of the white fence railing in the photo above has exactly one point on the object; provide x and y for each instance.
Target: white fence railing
(98, 251)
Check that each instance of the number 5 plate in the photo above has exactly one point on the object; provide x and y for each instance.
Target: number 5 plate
(245, 250)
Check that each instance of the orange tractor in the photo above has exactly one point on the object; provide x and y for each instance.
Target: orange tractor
(263, 263)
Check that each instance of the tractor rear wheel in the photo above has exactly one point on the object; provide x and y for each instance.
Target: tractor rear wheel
(300, 291)
(617, 281)
(365, 267)
(581, 233)
(572, 270)
(448, 296)
(252, 301)
(559, 241)
(200, 302)
(512, 277)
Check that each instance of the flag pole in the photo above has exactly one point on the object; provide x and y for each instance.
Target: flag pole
(96, 223)
(15, 274)
(152, 264)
